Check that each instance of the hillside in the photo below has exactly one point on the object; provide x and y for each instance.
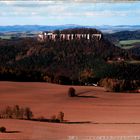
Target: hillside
(124, 35)
(115, 38)
(64, 62)
(128, 40)
(94, 112)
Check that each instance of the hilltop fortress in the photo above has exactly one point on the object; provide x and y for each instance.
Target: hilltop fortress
(71, 34)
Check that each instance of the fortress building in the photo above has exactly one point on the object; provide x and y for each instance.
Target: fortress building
(44, 36)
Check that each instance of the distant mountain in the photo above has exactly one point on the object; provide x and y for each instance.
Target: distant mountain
(25, 28)
(113, 29)
(104, 28)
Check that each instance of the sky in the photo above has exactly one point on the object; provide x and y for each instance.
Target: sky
(60, 12)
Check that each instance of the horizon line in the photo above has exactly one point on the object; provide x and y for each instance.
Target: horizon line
(70, 25)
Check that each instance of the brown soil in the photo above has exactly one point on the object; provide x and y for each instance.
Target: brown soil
(94, 112)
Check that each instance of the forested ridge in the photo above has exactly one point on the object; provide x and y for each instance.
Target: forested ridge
(64, 62)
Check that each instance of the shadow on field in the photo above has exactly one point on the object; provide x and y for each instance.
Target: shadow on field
(84, 122)
(80, 94)
(64, 122)
(12, 132)
(87, 96)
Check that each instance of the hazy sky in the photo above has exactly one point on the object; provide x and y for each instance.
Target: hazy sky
(58, 12)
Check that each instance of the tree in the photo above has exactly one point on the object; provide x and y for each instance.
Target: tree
(22, 111)
(2, 129)
(60, 116)
(16, 112)
(28, 113)
(8, 112)
(71, 92)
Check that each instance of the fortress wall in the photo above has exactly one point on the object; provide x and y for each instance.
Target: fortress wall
(52, 36)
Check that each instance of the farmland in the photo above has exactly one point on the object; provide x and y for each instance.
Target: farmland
(94, 112)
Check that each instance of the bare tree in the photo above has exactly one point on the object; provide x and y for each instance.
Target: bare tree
(28, 113)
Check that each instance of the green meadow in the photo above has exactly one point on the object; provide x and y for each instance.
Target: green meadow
(127, 44)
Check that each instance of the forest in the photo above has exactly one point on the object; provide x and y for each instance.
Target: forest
(65, 62)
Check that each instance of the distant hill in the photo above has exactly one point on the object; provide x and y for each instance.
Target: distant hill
(104, 28)
(129, 40)
(25, 28)
(119, 28)
(124, 35)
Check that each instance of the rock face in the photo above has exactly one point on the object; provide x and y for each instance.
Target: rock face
(88, 34)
